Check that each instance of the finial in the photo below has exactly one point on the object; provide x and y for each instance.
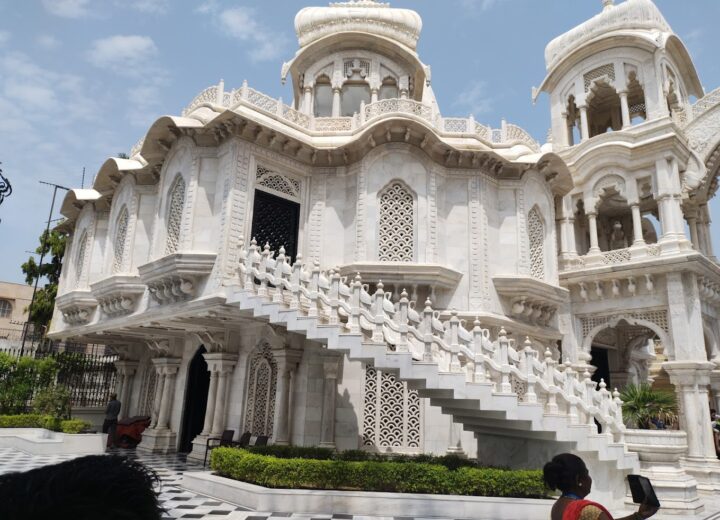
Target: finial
(607, 4)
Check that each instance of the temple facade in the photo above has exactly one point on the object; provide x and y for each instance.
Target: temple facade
(356, 270)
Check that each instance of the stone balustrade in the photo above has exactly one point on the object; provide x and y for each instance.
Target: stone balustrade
(215, 96)
(354, 309)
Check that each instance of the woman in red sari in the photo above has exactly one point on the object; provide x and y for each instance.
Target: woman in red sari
(569, 474)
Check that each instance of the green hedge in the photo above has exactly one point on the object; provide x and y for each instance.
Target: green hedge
(33, 420)
(386, 476)
(301, 452)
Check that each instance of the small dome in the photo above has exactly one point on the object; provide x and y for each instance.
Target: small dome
(632, 15)
(368, 16)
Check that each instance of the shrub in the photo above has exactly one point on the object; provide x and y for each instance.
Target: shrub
(642, 404)
(293, 452)
(74, 426)
(374, 475)
(20, 378)
(53, 400)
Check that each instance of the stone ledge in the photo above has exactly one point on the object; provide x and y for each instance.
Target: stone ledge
(404, 273)
(38, 441)
(363, 502)
(174, 277)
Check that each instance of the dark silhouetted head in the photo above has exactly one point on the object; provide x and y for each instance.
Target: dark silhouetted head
(87, 488)
(569, 474)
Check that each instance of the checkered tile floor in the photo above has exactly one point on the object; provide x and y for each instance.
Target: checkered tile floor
(177, 502)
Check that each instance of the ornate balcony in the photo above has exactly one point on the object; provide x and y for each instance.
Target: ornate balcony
(119, 294)
(77, 306)
(530, 299)
(176, 277)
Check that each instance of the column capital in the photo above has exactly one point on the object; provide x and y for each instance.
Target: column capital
(689, 373)
(331, 367)
(167, 366)
(220, 361)
(126, 367)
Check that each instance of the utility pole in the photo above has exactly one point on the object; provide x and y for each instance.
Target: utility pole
(42, 256)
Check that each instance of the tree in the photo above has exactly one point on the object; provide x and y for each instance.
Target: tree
(52, 246)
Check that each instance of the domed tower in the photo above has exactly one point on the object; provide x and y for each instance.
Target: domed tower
(620, 68)
(354, 53)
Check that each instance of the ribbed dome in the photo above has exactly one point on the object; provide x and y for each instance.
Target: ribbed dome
(401, 25)
(640, 15)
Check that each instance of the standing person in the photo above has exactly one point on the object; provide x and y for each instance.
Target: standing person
(569, 474)
(111, 418)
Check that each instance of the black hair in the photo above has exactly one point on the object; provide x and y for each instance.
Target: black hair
(86, 488)
(563, 472)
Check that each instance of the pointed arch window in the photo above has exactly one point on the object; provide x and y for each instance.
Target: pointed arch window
(176, 205)
(80, 259)
(397, 224)
(536, 235)
(261, 391)
(121, 228)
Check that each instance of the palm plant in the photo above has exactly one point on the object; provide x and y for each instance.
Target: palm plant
(642, 404)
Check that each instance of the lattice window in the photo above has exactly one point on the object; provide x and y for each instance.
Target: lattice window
(147, 391)
(121, 229)
(536, 235)
(397, 224)
(80, 260)
(5, 309)
(391, 413)
(278, 183)
(605, 70)
(658, 317)
(261, 390)
(176, 201)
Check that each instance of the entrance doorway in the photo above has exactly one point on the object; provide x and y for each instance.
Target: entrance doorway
(276, 222)
(196, 393)
(601, 363)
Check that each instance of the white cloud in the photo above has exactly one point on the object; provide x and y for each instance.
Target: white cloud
(47, 41)
(474, 99)
(480, 5)
(694, 41)
(123, 55)
(67, 8)
(146, 6)
(4, 37)
(241, 23)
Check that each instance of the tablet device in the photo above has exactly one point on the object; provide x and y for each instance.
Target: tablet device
(642, 490)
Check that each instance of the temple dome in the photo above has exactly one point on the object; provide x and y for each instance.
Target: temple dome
(631, 15)
(367, 16)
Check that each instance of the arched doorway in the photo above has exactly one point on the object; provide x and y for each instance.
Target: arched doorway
(198, 383)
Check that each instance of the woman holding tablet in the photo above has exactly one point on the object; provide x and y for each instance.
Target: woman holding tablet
(570, 475)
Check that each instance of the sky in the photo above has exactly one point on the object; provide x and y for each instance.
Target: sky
(82, 80)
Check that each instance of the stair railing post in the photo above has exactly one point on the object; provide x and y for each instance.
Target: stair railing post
(295, 275)
(529, 354)
(478, 338)
(263, 290)
(551, 406)
(253, 266)
(334, 297)
(454, 344)
(503, 344)
(590, 397)
(569, 390)
(402, 321)
(427, 331)
(279, 274)
(378, 313)
(242, 258)
(355, 291)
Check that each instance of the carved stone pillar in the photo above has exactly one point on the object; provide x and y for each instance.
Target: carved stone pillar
(160, 438)
(126, 372)
(336, 102)
(373, 95)
(592, 224)
(584, 128)
(210, 407)
(308, 101)
(287, 361)
(625, 109)
(327, 428)
(638, 239)
(715, 386)
(691, 380)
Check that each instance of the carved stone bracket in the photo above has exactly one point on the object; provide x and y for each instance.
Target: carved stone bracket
(76, 307)
(175, 277)
(213, 341)
(118, 295)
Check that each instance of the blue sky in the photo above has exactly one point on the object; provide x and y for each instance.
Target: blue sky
(81, 80)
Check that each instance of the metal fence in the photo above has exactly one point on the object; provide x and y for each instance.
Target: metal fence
(88, 371)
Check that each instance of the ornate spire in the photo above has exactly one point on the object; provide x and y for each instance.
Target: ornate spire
(607, 4)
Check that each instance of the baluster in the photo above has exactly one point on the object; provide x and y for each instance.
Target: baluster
(589, 397)
(295, 280)
(334, 297)
(313, 285)
(551, 406)
(478, 338)
(242, 258)
(355, 294)
(529, 357)
(569, 390)
(427, 331)
(619, 424)
(278, 274)
(378, 313)
(402, 321)
(605, 400)
(262, 291)
(503, 343)
(454, 345)
(253, 265)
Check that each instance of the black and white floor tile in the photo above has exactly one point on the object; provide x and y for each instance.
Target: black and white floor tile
(178, 502)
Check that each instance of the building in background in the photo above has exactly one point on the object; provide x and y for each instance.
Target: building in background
(14, 301)
(358, 270)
